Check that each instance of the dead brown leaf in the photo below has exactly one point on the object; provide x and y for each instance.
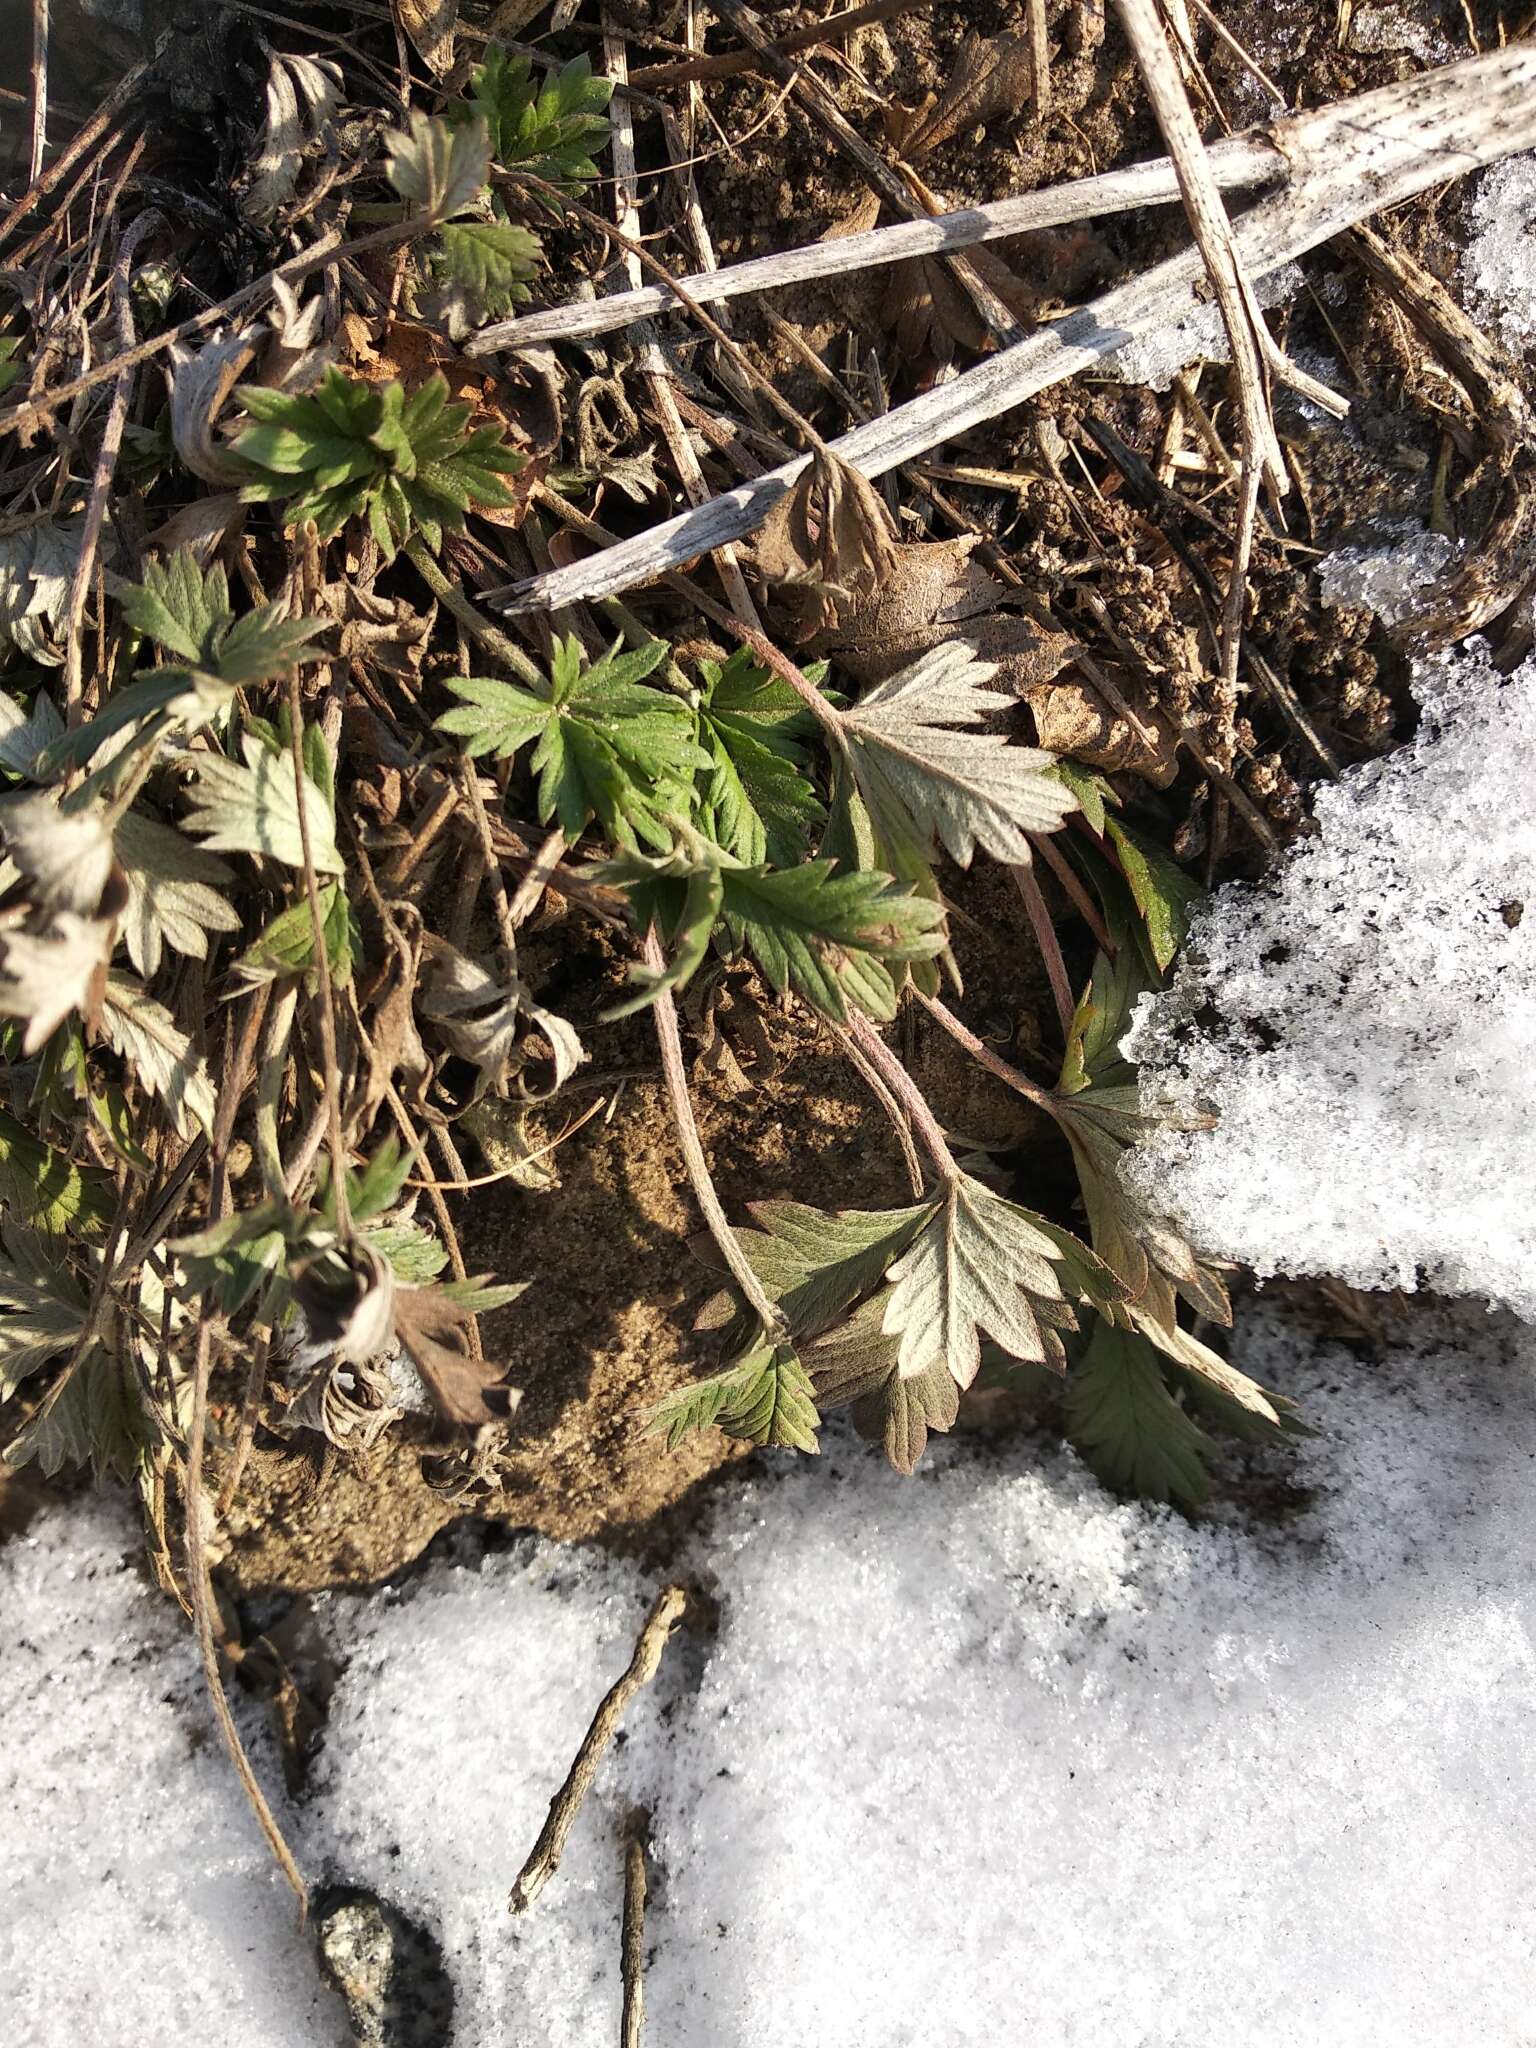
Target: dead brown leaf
(929, 311)
(992, 76)
(830, 540)
(434, 1333)
(430, 25)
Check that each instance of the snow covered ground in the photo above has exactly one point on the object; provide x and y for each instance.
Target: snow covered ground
(1363, 1021)
(981, 1756)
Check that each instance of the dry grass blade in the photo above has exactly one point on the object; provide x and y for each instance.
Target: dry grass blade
(1348, 161)
(544, 1859)
(1213, 237)
(1237, 165)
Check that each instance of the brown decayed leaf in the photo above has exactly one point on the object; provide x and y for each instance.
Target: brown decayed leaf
(930, 312)
(430, 25)
(1071, 718)
(829, 540)
(992, 76)
(434, 1333)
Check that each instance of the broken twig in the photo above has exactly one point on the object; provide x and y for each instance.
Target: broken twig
(544, 1859)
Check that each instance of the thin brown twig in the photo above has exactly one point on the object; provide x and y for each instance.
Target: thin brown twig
(632, 1934)
(544, 1858)
(331, 1065)
(727, 63)
(106, 463)
(675, 1077)
(907, 1092)
(1049, 944)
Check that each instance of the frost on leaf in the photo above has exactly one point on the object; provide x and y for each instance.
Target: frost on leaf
(926, 784)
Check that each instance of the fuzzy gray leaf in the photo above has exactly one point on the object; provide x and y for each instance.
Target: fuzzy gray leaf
(252, 807)
(926, 784)
(146, 1035)
(174, 892)
(438, 169)
(24, 734)
(979, 1264)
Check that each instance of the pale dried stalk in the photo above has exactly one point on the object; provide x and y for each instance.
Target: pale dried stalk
(632, 1941)
(544, 1859)
(1212, 230)
(1348, 161)
(653, 364)
(1238, 165)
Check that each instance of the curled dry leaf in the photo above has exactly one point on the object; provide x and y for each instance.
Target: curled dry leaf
(434, 1333)
(347, 1294)
(478, 1015)
(430, 25)
(830, 539)
(282, 352)
(302, 95)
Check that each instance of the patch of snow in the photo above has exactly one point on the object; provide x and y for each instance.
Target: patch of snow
(1363, 1022)
(1498, 264)
(983, 1756)
(1389, 580)
(138, 1903)
(1156, 359)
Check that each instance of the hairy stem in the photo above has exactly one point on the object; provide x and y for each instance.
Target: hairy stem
(664, 1011)
(984, 1056)
(907, 1093)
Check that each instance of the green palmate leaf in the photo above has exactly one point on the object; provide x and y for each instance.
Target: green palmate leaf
(1129, 1430)
(1093, 792)
(287, 944)
(439, 167)
(814, 1263)
(831, 938)
(859, 1363)
(354, 450)
(42, 1312)
(979, 1264)
(927, 785)
(608, 747)
(237, 1257)
(755, 802)
(187, 609)
(148, 1037)
(47, 1191)
(253, 807)
(551, 131)
(765, 1397)
(92, 1415)
(489, 263)
(176, 892)
(1162, 890)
